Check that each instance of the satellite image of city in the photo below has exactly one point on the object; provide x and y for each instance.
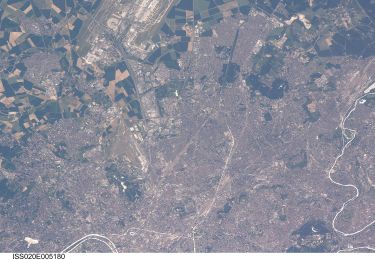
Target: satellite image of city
(189, 126)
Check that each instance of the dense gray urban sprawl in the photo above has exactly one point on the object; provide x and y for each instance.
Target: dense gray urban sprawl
(187, 126)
